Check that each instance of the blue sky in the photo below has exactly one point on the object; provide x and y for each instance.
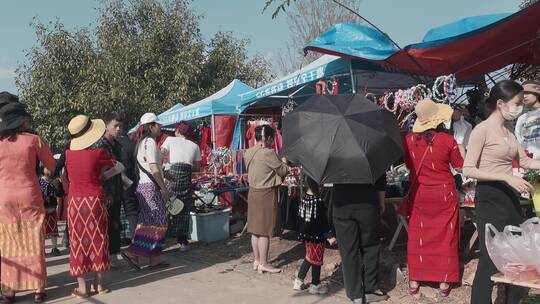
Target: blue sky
(405, 21)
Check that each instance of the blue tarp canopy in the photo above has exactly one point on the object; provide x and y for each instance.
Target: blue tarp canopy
(469, 47)
(224, 102)
(323, 67)
(300, 85)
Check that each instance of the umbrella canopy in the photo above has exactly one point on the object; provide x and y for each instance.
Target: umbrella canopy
(343, 139)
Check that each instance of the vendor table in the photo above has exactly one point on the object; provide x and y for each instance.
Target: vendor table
(235, 191)
(402, 221)
(499, 278)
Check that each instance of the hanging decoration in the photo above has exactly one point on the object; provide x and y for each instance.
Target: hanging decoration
(402, 102)
(288, 107)
(332, 87)
(320, 87)
(445, 89)
(219, 159)
(389, 102)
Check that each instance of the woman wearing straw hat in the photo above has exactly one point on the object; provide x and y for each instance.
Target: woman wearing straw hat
(85, 164)
(152, 194)
(433, 240)
(22, 211)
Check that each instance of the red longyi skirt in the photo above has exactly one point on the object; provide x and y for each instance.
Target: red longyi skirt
(51, 225)
(433, 243)
(88, 224)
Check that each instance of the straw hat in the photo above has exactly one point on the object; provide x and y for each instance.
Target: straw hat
(430, 115)
(85, 132)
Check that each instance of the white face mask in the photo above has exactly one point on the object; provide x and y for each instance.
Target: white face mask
(448, 124)
(512, 113)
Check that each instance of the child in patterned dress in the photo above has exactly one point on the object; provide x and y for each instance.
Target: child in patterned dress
(50, 197)
(314, 230)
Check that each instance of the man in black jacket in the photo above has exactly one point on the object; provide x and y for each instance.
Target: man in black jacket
(130, 204)
(114, 186)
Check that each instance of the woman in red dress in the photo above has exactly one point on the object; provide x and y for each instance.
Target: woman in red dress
(87, 207)
(433, 240)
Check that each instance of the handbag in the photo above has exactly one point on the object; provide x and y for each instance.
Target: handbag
(404, 208)
(174, 205)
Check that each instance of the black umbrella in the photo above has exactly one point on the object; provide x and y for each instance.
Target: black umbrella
(341, 139)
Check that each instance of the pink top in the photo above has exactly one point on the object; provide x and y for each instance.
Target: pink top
(18, 160)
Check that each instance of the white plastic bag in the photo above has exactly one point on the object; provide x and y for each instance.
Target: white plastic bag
(514, 251)
(521, 243)
(531, 231)
(499, 250)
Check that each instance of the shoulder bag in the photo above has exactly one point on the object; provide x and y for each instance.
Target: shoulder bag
(405, 207)
(174, 204)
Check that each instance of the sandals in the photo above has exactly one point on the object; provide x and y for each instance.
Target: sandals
(7, 300)
(39, 297)
(262, 269)
(130, 260)
(79, 295)
(101, 290)
(255, 265)
(444, 293)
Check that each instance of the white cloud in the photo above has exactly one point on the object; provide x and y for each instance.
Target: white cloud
(7, 73)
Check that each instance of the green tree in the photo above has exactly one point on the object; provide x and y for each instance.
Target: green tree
(142, 56)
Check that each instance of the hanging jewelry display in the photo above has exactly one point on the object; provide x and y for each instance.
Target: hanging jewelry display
(389, 98)
(288, 107)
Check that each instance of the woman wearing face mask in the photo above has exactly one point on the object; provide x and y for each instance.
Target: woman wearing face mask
(492, 148)
(433, 240)
(265, 173)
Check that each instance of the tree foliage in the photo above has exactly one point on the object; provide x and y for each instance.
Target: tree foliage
(142, 56)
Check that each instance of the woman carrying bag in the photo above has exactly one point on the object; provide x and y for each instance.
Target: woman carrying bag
(152, 194)
(433, 234)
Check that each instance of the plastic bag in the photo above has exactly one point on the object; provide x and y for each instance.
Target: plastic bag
(514, 251)
(499, 250)
(531, 232)
(522, 245)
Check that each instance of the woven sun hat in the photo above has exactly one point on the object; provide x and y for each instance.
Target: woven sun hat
(85, 131)
(430, 115)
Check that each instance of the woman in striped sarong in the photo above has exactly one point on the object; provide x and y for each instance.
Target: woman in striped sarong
(185, 157)
(151, 194)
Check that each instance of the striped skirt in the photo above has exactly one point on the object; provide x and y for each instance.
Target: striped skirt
(182, 188)
(151, 227)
